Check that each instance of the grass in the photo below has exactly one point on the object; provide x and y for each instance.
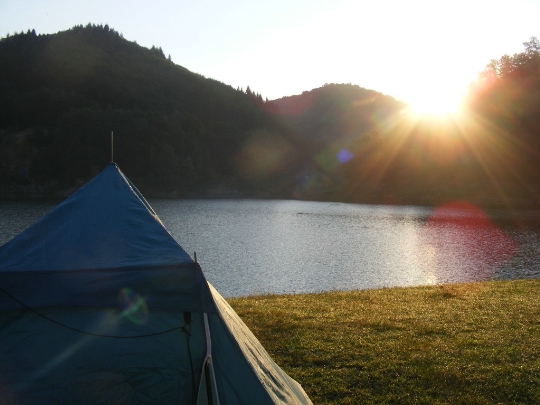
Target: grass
(476, 343)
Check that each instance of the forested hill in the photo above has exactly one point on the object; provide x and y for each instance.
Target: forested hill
(336, 112)
(488, 154)
(175, 131)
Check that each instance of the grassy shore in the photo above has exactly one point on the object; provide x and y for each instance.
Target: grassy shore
(475, 343)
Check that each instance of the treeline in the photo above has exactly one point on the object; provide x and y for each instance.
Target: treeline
(178, 133)
(61, 96)
(371, 150)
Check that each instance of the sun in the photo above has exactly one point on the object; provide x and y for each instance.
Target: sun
(432, 102)
(435, 107)
(435, 97)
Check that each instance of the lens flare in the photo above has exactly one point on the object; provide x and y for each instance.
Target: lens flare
(263, 155)
(465, 240)
(344, 155)
(133, 306)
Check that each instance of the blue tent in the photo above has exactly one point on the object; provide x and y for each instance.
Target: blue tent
(100, 305)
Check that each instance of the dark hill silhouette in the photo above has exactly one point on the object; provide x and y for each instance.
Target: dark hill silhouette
(337, 112)
(61, 95)
(334, 123)
(178, 133)
(366, 147)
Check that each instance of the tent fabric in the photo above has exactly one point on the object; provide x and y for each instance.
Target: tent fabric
(44, 363)
(236, 340)
(105, 224)
(99, 304)
(102, 238)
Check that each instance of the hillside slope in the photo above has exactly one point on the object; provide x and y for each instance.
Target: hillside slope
(179, 134)
(336, 112)
(62, 95)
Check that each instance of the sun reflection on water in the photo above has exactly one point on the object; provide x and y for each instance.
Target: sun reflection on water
(461, 234)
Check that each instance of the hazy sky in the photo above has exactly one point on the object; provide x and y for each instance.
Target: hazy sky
(414, 50)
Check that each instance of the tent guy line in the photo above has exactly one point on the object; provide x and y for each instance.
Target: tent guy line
(86, 332)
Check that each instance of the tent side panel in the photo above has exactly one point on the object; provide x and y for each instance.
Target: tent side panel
(104, 224)
(44, 363)
(163, 288)
(239, 356)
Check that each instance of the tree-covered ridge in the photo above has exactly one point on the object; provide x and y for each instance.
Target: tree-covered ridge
(335, 124)
(521, 64)
(489, 154)
(336, 111)
(61, 96)
(508, 91)
(505, 103)
(178, 133)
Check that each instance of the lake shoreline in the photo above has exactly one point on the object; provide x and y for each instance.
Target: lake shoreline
(507, 206)
(248, 247)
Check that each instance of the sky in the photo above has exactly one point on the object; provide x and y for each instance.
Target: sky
(422, 52)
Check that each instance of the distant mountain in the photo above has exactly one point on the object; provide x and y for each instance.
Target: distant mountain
(367, 147)
(336, 112)
(336, 124)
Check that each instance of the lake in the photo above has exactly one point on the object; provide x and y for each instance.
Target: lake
(248, 247)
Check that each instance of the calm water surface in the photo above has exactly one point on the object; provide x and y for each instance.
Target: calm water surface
(250, 247)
